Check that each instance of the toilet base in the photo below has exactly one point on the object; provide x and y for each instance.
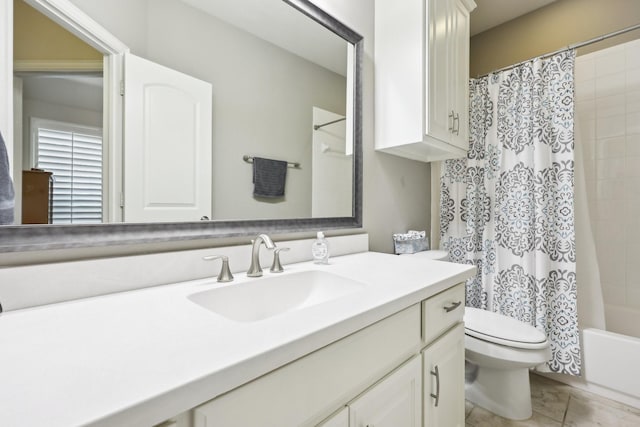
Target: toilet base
(506, 393)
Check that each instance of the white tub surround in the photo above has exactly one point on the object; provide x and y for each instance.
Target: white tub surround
(143, 356)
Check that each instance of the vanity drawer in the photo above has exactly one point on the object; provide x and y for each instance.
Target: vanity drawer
(442, 311)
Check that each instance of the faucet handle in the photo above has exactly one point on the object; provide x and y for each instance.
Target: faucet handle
(225, 273)
(276, 267)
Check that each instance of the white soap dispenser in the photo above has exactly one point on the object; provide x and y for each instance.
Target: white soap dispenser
(320, 249)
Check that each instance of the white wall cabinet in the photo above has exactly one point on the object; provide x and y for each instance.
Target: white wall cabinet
(421, 78)
(379, 376)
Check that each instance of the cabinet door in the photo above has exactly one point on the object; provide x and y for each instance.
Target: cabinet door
(444, 380)
(393, 402)
(439, 110)
(459, 75)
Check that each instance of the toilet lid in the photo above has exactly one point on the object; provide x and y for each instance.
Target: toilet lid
(500, 329)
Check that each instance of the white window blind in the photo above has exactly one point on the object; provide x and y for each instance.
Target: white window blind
(74, 155)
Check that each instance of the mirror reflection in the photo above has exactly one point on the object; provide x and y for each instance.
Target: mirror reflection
(278, 92)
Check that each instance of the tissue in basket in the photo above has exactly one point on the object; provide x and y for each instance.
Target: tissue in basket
(410, 242)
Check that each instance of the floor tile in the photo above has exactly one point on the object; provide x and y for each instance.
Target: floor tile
(468, 406)
(549, 397)
(586, 396)
(594, 412)
(480, 417)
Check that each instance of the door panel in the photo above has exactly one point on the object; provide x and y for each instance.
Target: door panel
(167, 144)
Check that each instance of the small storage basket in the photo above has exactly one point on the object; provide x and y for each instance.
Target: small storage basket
(410, 242)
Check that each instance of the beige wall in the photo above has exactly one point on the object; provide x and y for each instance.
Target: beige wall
(36, 37)
(552, 27)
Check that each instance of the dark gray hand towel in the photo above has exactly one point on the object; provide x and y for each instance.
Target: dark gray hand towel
(269, 177)
(7, 195)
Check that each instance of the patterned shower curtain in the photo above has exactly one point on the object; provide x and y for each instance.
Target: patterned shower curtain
(508, 207)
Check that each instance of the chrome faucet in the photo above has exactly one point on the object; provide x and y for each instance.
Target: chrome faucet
(255, 270)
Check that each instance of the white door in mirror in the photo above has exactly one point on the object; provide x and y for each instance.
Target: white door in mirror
(167, 144)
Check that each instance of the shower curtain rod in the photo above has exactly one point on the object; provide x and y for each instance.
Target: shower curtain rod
(571, 46)
(316, 127)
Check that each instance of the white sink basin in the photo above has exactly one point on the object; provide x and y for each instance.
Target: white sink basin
(262, 298)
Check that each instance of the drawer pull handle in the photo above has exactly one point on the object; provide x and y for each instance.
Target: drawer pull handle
(436, 374)
(453, 306)
(456, 129)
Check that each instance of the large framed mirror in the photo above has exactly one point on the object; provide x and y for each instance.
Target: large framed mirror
(308, 115)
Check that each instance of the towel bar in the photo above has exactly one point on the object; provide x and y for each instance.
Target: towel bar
(249, 159)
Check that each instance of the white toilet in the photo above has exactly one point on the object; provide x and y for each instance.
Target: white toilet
(499, 352)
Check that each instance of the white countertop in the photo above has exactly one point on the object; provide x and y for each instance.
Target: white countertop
(137, 358)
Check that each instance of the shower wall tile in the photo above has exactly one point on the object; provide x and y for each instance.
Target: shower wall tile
(612, 271)
(633, 79)
(587, 108)
(633, 297)
(612, 232)
(611, 84)
(611, 61)
(590, 186)
(607, 86)
(632, 144)
(633, 122)
(586, 90)
(633, 251)
(632, 100)
(612, 168)
(612, 211)
(632, 167)
(614, 105)
(611, 189)
(607, 127)
(585, 68)
(608, 91)
(632, 189)
(587, 130)
(615, 295)
(632, 213)
(632, 54)
(608, 148)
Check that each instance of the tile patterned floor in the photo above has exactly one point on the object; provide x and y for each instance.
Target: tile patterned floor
(557, 405)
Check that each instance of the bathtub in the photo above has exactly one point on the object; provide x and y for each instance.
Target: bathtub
(611, 359)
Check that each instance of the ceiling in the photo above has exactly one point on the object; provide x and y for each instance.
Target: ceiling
(491, 13)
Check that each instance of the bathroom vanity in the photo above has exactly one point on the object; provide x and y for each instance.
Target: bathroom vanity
(370, 339)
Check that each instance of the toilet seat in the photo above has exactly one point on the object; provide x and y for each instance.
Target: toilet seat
(499, 329)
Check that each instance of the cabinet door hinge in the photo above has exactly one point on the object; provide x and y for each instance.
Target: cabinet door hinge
(121, 200)
(121, 87)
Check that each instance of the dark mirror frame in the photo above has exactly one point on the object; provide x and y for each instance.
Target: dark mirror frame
(20, 238)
